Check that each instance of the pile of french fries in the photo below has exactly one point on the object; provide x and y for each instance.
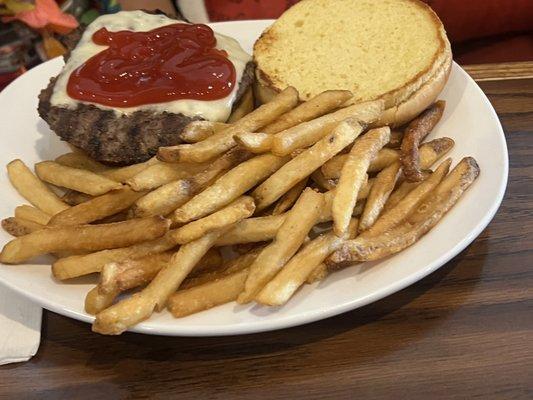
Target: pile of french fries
(256, 190)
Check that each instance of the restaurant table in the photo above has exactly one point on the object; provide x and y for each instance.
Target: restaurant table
(463, 332)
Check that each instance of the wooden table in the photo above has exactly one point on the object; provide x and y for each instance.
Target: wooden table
(466, 331)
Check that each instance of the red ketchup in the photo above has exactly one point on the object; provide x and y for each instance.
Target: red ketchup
(174, 62)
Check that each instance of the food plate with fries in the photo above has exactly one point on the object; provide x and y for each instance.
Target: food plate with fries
(286, 215)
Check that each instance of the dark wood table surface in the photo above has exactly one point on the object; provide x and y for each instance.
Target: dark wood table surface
(466, 331)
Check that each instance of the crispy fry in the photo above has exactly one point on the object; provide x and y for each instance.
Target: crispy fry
(241, 208)
(288, 199)
(384, 158)
(319, 105)
(20, 226)
(252, 230)
(398, 194)
(223, 141)
(73, 198)
(81, 161)
(73, 178)
(396, 215)
(122, 174)
(83, 237)
(381, 189)
(396, 137)
(96, 301)
(245, 106)
(32, 214)
(117, 318)
(228, 187)
(303, 165)
(415, 132)
(161, 173)
(289, 238)
(318, 274)
(256, 143)
(308, 133)
(417, 224)
(321, 181)
(79, 265)
(196, 131)
(166, 198)
(97, 208)
(293, 275)
(207, 295)
(353, 175)
(32, 189)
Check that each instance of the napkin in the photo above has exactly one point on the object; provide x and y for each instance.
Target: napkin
(20, 327)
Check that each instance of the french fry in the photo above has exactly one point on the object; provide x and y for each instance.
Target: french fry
(95, 301)
(381, 189)
(325, 214)
(417, 224)
(79, 265)
(196, 131)
(398, 194)
(73, 198)
(32, 214)
(212, 261)
(228, 187)
(251, 230)
(73, 178)
(245, 106)
(293, 275)
(33, 189)
(396, 137)
(308, 133)
(122, 174)
(319, 105)
(256, 143)
(223, 141)
(241, 208)
(20, 226)
(83, 238)
(288, 199)
(321, 181)
(384, 158)
(81, 161)
(415, 132)
(97, 208)
(119, 317)
(353, 175)
(395, 215)
(207, 295)
(303, 165)
(161, 173)
(318, 274)
(289, 238)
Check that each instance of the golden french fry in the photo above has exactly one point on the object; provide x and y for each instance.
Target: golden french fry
(166, 198)
(384, 158)
(95, 301)
(289, 238)
(81, 161)
(207, 295)
(161, 173)
(97, 208)
(223, 141)
(228, 187)
(322, 182)
(303, 165)
(353, 175)
(319, 105)
(288, 199)
(73, 198)
(395, 215)
(196, 131)
(241, 208)
(119, 317)
(33, 189)
(293, 275)
(325, 214)
(255, 142)
(73, 178)
(20, 226)
(415, 132)
(32, 214)
(399, 193)
(417, 224)
(122, 174)
(245, 106)
(308, 133)
(83, 237)
(381, 189)
(252, 230)
(396, 137)
(319, 273)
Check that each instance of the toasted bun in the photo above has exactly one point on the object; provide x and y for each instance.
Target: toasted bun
(378, 49)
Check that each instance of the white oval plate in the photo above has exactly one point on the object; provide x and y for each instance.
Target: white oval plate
(469, 119)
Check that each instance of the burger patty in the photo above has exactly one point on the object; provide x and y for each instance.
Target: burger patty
(118, 140)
